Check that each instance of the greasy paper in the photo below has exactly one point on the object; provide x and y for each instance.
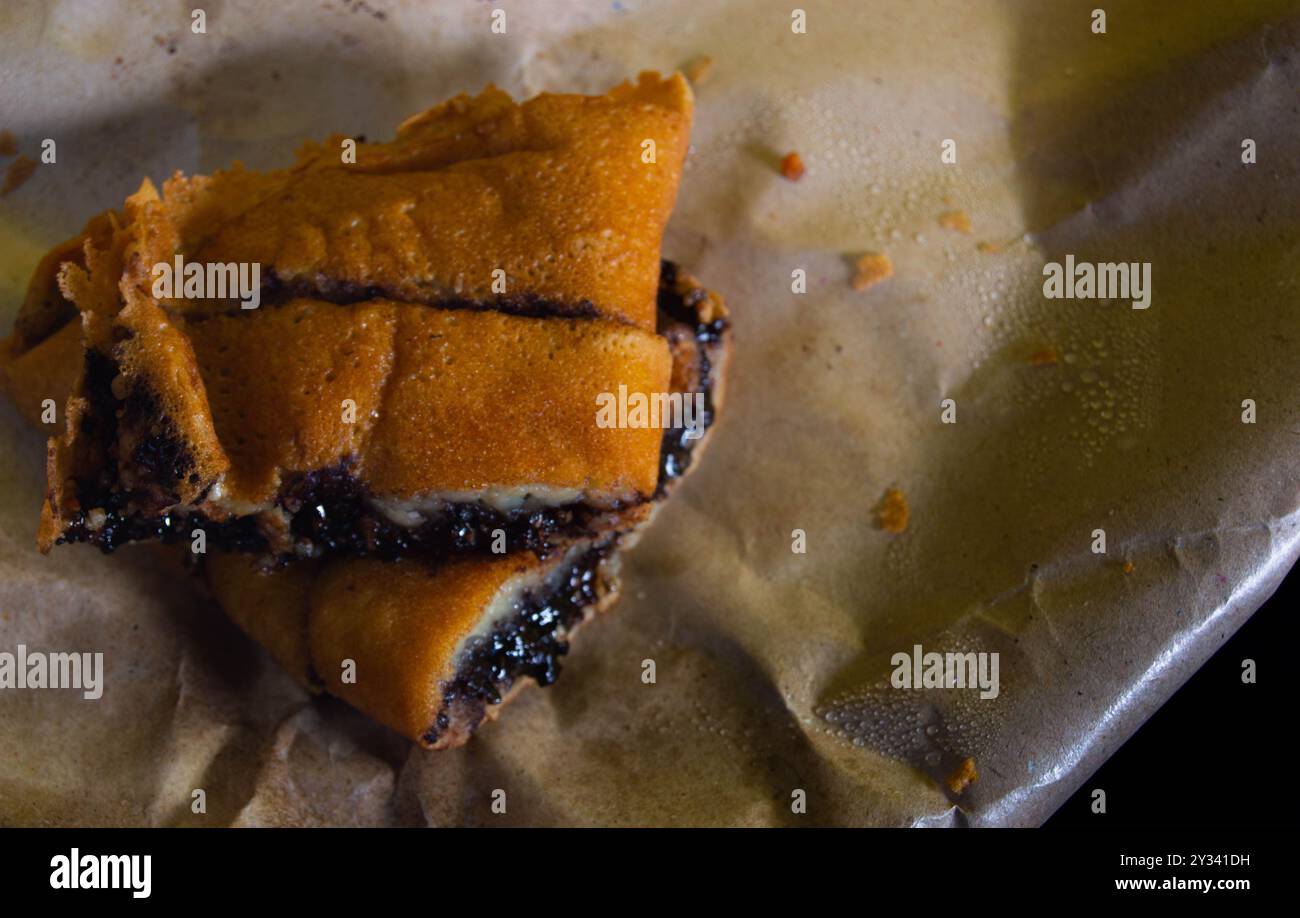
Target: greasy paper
(772, 666)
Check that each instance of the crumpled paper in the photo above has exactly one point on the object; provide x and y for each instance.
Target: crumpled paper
(772, 667)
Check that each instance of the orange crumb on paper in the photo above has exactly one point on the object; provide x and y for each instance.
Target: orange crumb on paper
(892, 513)
(1045, 356)
(963, 777)
(792, 167)
(8, 146)
(989, 248)
(955, 220)
(1128, 567)
(20, 170)
(698, 68)
(872, 268)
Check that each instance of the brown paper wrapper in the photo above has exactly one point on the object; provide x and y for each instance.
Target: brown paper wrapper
(772, 667)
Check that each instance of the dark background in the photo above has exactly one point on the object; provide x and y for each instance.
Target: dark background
(1214, 755)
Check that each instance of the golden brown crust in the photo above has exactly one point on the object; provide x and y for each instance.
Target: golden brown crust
(272, 610)
(483, 399)
(44, 308)
(398, 626)
(559, 192)
(427, 400)
(47, 370)
(570, 216)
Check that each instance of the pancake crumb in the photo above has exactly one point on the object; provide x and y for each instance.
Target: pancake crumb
(873, 267)
(698, 68)
(892, 513)
(1045, 356)
(989, 248)
(963, 777)
(1128, 567)
(792, 167)
(19, 171)
(956, 220)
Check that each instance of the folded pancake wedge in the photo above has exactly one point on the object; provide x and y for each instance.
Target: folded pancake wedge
(385, 428)
(429, 650)
(492, 270)
(43, 375)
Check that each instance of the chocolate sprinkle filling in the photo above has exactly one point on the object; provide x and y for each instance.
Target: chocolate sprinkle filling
(527, 644)
(676, 307)
(331, 510)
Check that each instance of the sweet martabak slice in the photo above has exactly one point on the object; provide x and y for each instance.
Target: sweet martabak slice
(430, 650)
(490, 271)
(328, 512)
(418, 418)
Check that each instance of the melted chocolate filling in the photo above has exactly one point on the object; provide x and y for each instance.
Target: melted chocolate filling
(329, 509)
(527, 644)
(676, 307)
(276, 292)
(330, 512)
